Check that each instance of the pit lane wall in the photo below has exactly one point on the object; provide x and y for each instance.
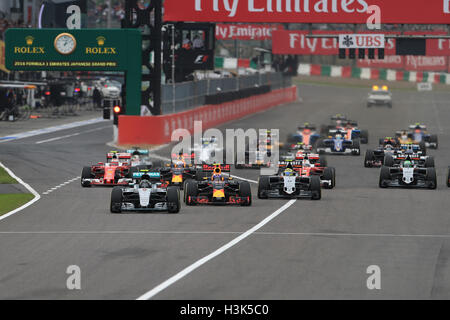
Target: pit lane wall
(373, 73)
(156, 130)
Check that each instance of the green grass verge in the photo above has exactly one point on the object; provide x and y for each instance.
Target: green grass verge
(5, 178)
(9, 202)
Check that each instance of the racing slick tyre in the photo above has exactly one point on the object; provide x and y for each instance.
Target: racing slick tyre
(263, 185)
(356, 145)
(423, 148)
(86, 173)
(389, 105)
(434, 140)
(173, 200)
(199, 175)
(364, 136)
(448, 177)
(385, 174)
(388, 161)
(319, 144)
(323, 161)
(370, 156)
(245, 192)
(429, 162)
(431, 178)
(369, 105)
(191, 191)
(131, 171)
(184, 188)
(330, 175)
(315, 189)
(116, 200)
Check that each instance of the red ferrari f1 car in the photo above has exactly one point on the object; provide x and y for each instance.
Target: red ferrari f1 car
(115, 172)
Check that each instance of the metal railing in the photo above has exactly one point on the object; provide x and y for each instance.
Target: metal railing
(189, 95)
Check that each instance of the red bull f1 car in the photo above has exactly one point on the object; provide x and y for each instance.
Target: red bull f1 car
(178, 171)
(217, 189)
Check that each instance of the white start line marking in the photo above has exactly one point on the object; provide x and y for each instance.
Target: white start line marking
(262, 233)
(180, 275)
(71, 135)
(33, 133)
(61, 185)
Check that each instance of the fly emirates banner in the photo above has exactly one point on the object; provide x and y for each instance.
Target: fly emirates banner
(308, 11)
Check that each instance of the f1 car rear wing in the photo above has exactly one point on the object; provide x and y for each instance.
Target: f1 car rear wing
(123, 155)
(310, 156)
(185, 155)
(210, 168)
(293, 164)
(415, 126)
(139, 152)
(338, 117)
(151, 175)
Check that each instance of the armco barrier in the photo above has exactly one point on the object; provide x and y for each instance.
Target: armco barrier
(154, 130)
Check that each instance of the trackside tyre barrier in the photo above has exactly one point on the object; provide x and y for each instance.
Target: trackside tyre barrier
(157, 130)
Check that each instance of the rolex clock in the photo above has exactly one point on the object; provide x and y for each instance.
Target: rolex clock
(65, 43)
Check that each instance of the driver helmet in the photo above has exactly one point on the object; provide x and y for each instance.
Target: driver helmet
(338, 136)
(407, 164)
(145, 184)
(288, 172)
(306, 163)
(178, 163)
(217, 175)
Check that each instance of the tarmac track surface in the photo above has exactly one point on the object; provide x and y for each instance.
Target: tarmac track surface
(313, 249)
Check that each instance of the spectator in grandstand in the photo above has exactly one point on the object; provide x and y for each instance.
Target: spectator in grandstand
(187, 44)
(198, 42)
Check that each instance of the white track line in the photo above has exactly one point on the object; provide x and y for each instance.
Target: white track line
(71, 135)
(301, 234)
(37, 132)
(60, 185)
(212, 255)
(37, 196)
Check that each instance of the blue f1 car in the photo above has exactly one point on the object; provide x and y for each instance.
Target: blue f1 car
(338, 144)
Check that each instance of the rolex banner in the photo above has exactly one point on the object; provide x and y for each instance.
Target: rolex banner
(308, 11)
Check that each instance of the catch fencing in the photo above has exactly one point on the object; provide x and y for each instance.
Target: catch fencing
(189, 95)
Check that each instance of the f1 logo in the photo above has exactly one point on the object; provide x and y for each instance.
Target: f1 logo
(201, 59)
